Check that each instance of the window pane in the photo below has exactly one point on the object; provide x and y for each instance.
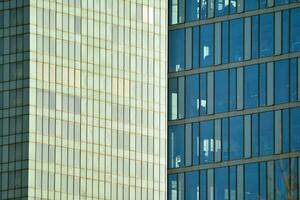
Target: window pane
(172, 187)
(254, 37)
(203, 9)
(266, 132)
(221, 91)
(221, 7)
(281, 81)
(286, 130)
(280, 2)
(192, 185)
(282, 173)
(295, 30)
(295, 129)
(251, 181)
(225, 40)
(236, 40)
(251, 86)
(176, 146)
(224, 144)
(232, 182)
(203, 184)
(173, 98)
(285, 31)
(232, 6)
(221, 183)
(262, 85)
(203, 96)
(263, 181)
(207, 45)
(196, 143)
(192, 10)
(251, 5)
(206, 142)
(192, 95)
(293, 79)
(196, 34)
(232, 89)
(176, 50)
(254, 130)
(236, 137)
(266, 35)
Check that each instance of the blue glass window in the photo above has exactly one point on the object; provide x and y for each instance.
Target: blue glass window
(232, 182)
(206, 142)
(192, 10)
(254, 130)
(286, 31)
(173, 94)
(282, 81)
(192, 185)
(295, 30)
(221, 91)
(251, 181)
(286, 130)
(221, 183)
(203, 94)
(236, 137)
(293, 79)
(280, 2)
(251, 5)
(176, 146)
(225, 41)
(251, 86)
(225, 145)
(203, 184)
(196, 46)
(263, 181)
(232, 6)
(262, 85)
(172, 187)
(196, 145)
(207, 45)
(221, 7)
(232, 89)
(266, 35)
(203, 9)
(236, 40)
(192, 95)
(295, 129)
(266, 133)
(282, 179)
(176, 50)
(255, 36)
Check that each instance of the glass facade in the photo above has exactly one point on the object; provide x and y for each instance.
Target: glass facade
(83, 99)
(234, 105)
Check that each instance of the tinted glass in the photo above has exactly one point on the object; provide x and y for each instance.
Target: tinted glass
(285, 31)
(173, 95)
(282, 179)
(266, 35)
(263, 181)
(251, 181)
(172, 187)
(176, 50)
(232, 182)
(203, 184)
(192, 10)
(221, 183)
(266, 133)
(286, 130)
(196, 144)
(262, 85)
(221, 91)
(196, 46)
(176, 146)
(251, 86)
(225, 41)
(207, 45)
(192, 185)
(232, 89)
(203, 94)
(236, 137)
(293, 79)
(192, 95)
(295, 129)
(254, 132)
(280, 2)
(255, 36)
(236, 40)
(206, 142)
(251, 5)
(221, 7)
(225, 145)
(282, 81)
(295, 30)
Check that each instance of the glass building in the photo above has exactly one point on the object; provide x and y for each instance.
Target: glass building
(83, 95)
(234, 99)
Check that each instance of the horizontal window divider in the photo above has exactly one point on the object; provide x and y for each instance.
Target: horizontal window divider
(234, 65)
(234, 162)
(234, 113)
(233, 16)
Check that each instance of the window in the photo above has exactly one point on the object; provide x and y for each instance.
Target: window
(221, 91)
(262, 85)
(176, 11)
(203, 94)
(254, 134)
(295, 129)
(221, 7)
(192, 10)
(232, 89)
(266, 133)
(295, 30)
(254, 36)
(232, 182)
(196, 41)
(236, 40)
(282, 81)
(206, 142)
(224, 144)
(176, 146)
(251, 181)
(293, 79)
(196, 144)
(282, 176)
(286, 130)
(207, 45)
(251, 5)
(173, 95)
(176, 50)
(236, 137)
(266, 35)
(221, 183)
(225, 41)
(203, 184)
(263, 181)
(192, 185)
(251, 86)
(285, 31)
(172, 187)
(203, 4)
(192, 95)
(280, 2)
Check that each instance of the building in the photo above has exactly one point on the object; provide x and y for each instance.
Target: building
(234, 99)
(83, 87)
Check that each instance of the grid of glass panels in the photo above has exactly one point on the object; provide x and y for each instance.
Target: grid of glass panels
(97, 99)
(14, 99)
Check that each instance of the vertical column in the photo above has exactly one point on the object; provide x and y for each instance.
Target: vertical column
(240, 88)
(247, 138)
(210, 184)
(247, 38)
(188, 145)
(278, 132)
(218, 140)
(181, 97)
(270, 83)
(278, 31)
(210, 93)
(218, 45)
(188, 48)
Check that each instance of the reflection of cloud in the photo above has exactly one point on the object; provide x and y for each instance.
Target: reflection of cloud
(205, 51)
(203, 103)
